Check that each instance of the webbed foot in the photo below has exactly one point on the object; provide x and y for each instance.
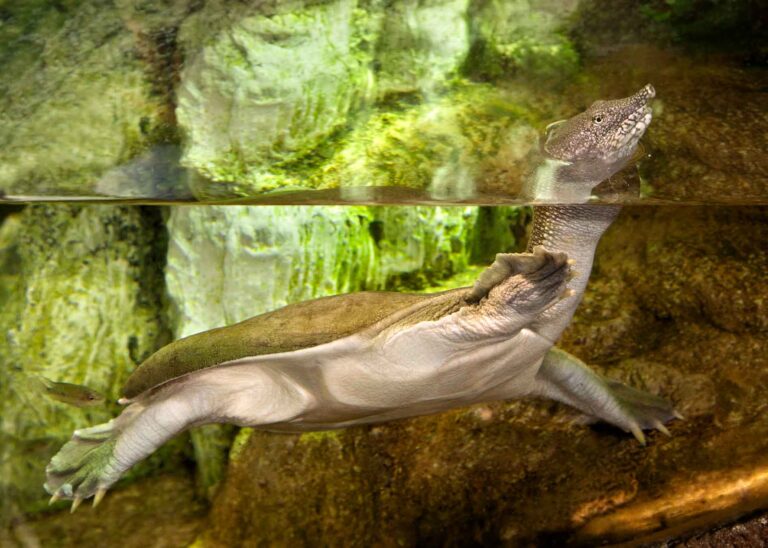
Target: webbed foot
(640, 410)
(85, 466)
(566, 378)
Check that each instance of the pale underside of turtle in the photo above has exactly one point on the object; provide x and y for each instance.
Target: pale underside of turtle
(370, 356)
(293, 327)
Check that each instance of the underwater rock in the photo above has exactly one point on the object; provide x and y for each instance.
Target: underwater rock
(469, 475)
(161, 512)
(74, 100)
(698, 264)
(83, 305)
(226, 264)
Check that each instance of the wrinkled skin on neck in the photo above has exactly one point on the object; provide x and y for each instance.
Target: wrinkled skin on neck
(586, 149)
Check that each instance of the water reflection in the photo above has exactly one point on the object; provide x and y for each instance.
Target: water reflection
(476, 144)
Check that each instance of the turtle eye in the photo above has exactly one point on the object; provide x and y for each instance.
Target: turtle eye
(597, 118)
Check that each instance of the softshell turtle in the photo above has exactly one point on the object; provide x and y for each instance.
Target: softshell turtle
(375, 356)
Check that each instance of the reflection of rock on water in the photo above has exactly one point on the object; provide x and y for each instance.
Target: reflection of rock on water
(155, 173)
(707, 143)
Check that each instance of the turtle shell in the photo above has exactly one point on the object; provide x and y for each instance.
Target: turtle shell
(293, 327)
(319, 321)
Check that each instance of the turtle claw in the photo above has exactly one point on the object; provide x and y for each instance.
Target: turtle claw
(76, 503)
(641, 410)
(100, 432)
(99, 496)
(661, 428)
(678, 415)
(638, 433)
(630, 409)
(55, 498)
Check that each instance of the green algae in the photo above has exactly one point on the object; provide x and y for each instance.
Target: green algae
(239, 443)
(94, 272)
(420, 245)
(437, 146)
(466, 278)
(318, 437)
(211, 445)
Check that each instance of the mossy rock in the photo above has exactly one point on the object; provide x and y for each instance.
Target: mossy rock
(421, 46)
(83, 305)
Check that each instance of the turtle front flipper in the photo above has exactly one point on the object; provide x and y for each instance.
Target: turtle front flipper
(565, 378)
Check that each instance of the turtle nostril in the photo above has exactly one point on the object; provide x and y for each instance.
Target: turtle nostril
(649, 91)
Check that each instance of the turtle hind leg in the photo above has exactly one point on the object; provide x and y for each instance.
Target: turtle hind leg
(85, 466)
(567, 379)
(648, 410)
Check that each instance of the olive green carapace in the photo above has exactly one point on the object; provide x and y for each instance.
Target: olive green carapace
(296, 326)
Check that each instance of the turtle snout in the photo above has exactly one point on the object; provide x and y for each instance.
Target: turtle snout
(649, 91)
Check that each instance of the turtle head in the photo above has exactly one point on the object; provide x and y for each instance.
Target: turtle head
(607, 131)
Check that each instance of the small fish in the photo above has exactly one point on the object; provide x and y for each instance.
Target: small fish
(71, 394)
